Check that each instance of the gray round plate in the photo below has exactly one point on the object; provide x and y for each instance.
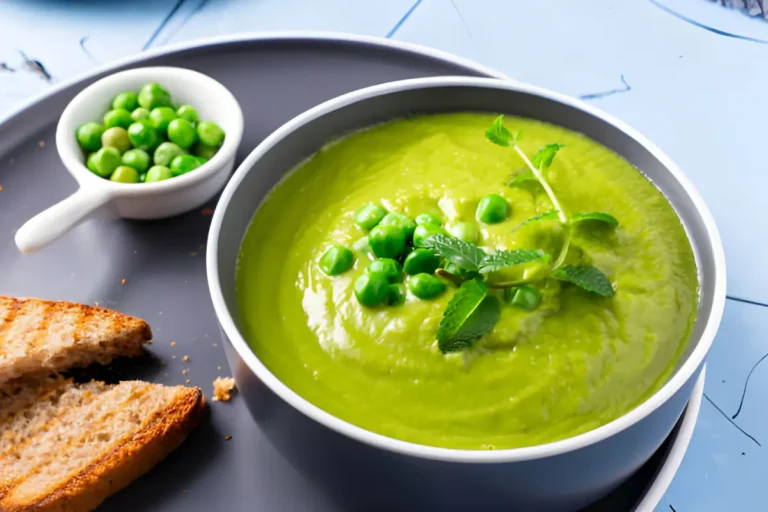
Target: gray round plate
(156, 270)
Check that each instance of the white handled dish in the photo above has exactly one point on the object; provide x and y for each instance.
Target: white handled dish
(97, 196)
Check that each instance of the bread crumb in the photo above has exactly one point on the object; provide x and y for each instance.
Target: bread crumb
(207, 211)
(184, 371)
(122, 281)
(173, 343)
(222, 389)
(187, 381)
(41, 143)
(193, 253)
(185, 359)
(215, 344)
(218, 368)
(1, 188)
(227, 438)
(173, 357)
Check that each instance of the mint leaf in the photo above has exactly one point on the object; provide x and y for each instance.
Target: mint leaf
(462, 304)
(550, 215)
(543, 157)
(521, 177)
(586, 277)
(464, 255)
(606, 218)
(479, 323)
(503, 259)
(497, 134)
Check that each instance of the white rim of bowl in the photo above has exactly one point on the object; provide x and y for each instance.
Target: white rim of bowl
(625, 421)
(79, 171)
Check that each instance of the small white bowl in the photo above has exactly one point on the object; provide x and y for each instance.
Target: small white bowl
(100, 197)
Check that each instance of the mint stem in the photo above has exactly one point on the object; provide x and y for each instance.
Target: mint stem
(449, 277)
(539, 176)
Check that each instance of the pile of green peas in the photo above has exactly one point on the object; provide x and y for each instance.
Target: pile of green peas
(144, 138)
(396, 243)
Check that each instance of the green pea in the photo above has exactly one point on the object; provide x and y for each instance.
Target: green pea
(425, 286)
(428, 218)
(202, 160)
(139, 114)
(90, 163)
(158, 173)
(117, 138)
(336, 260)
(143, 136)
(153, 95)
(189, 113)
(210, 133)
(126, 100)
(204, 151)
(118, 117)
(400, 221)
(182, 133)
(125, 174)
(421, 261)
(183, 164)
(425, 231)
(88, 136)
(524, 296)
(371, 289)
(166, 152)
(142, 177)
(361, 245)
(466, 231)
(389, 267)
(105, 161)
(136, 158)
(386, 241)
(395, 295)
(369, 215)
(492, 209)
(161, 117)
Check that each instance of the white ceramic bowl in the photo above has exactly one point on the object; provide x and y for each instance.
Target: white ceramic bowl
(98, 196)
(398, 475)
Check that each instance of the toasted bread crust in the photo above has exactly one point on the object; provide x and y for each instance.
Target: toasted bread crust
(119, 335)
(115, 470)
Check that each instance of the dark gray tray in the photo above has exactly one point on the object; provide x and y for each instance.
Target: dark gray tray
(163, 262)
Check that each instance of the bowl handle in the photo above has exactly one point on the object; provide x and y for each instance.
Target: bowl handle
(48, 225)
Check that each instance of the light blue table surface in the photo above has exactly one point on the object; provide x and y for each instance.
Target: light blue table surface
(689, 74)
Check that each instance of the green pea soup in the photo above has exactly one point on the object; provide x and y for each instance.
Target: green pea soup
(570, 365)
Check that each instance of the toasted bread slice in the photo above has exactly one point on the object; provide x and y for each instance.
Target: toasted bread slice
(66, 447)
(40, 336)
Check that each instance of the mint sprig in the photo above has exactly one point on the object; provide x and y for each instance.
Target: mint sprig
(464, 255)
(503, 259)
(550, 215)
(605, 218)
(586, 277)
(470, 315)
(519, 178)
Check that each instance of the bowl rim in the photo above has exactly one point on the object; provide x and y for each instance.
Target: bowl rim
(670, 388)
(67, 147)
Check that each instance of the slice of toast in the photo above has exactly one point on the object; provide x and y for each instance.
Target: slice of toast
(40, 336)
(66, 447)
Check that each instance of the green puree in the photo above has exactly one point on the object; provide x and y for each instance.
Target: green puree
(574, 363)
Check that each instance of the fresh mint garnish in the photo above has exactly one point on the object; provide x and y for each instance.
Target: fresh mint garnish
(502, 259)
(543, 157)
(519, 178)
(550, 215)
(464, 255)
(468, 317)
(499, 135)
(586, 277)
(605, 218)
(479, 323)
